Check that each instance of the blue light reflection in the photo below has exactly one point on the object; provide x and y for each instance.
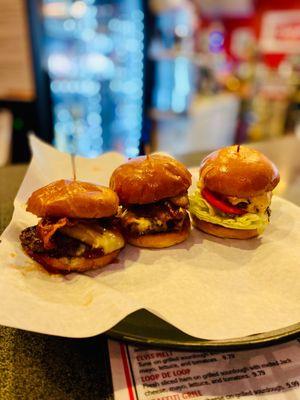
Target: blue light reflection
(94, 57)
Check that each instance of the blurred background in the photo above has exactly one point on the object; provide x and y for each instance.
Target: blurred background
(181, 76)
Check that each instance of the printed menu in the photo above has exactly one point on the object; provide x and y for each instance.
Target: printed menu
(151, 374)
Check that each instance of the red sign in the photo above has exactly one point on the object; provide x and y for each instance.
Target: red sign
(288, 31)
(281, 32)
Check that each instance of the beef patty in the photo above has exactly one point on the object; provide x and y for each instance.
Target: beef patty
(64, 246)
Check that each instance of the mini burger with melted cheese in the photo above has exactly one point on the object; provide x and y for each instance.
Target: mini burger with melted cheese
(76, 230)
(153, 194)
(234, 193)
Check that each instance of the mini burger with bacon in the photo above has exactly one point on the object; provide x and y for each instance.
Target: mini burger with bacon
(234, 193)
(76, 230)
(153, 194)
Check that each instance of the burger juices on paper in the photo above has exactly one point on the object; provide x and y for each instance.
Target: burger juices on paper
(234, 193)
(76, 231)
(153, 194)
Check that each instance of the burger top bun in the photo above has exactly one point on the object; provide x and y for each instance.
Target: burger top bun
(238, 171)
(73, 199)
(148, 179)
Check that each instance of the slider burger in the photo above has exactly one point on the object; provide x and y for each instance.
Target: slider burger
(76, 231)
(153, 194)
(234, 193)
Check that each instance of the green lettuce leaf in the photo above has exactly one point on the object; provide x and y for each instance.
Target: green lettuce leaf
(204, 211)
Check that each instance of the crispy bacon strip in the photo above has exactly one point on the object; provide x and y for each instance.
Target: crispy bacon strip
(47, 227)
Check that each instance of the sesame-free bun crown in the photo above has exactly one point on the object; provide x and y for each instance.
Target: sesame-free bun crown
(238, 171)
(148, 179)
(73, 199)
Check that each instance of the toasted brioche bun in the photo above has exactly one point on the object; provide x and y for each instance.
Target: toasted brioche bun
(161, 240)
(149, 179)
(239, 172)
(222, 232)
(73, 199)
(72, 264)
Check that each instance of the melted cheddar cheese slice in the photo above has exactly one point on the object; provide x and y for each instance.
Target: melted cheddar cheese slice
(257, 204)
(95, 236)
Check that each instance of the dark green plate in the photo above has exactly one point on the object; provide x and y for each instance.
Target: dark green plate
(144, 328)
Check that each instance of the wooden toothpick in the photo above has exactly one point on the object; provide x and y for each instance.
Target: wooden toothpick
(73, 166)
(238, 148)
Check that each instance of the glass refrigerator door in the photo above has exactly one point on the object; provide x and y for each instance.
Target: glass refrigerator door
(94, 54)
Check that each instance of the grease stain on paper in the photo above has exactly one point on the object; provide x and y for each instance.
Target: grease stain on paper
(52, 287)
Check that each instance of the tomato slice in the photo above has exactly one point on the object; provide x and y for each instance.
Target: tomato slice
(221, 204)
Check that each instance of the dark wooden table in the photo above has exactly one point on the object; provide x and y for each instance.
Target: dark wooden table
(35, 366)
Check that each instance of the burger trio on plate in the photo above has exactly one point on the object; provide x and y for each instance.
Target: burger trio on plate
(84, 226)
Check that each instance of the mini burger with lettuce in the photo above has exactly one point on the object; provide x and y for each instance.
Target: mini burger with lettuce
(77, 230)
(153, 195)
(234, 193)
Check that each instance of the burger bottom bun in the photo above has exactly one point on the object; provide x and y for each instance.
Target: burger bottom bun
(72, 264)
(161, 240)
(222, 232)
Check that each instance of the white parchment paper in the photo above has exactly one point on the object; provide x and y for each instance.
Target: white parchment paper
(207, 287)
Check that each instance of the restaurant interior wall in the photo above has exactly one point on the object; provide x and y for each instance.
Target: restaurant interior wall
(17, 88)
